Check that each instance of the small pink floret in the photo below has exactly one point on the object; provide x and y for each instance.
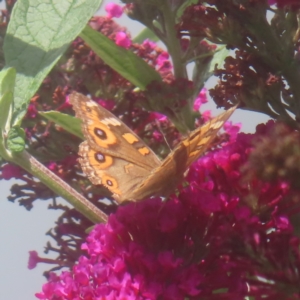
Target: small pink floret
(113, 10)
(122, 40)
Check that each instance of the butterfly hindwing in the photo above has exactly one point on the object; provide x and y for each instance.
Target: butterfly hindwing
(119, 176)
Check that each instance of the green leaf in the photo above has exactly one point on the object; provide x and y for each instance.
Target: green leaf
(67, 122)
(16, 139)
(6, 111)
(146, 33)
(7, 84)
(7, 80)
(219, 57)
(126, 63)
(38, 34)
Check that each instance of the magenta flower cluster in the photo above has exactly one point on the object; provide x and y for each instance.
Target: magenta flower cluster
(208, 242)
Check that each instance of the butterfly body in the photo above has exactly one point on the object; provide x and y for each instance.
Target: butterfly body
(114, 156)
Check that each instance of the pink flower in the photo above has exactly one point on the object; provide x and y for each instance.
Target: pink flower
(52, 166)
(164, 65)
(10, 171)
(108, 104)
(201, 99)
(232, 129)
(149, 45)
(208, 238)
(160, 117)
(33, 259)
(65, 105)
(157, 136)
(206, 115)
(113, 10)
(122, 40)
(32, 111)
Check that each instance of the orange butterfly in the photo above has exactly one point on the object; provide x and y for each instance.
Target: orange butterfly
(114, 156)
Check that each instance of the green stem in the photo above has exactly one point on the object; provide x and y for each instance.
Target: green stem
(172, 41)
(56, 184)
(174, 48)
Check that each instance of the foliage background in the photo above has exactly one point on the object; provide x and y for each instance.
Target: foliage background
(22, 231)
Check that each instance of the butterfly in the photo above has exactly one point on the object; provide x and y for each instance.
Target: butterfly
(114, 156)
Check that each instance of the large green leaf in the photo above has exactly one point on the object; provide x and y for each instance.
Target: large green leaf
(126, 63)
(38, 33)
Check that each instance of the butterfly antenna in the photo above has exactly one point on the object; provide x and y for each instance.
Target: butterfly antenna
(162, 133)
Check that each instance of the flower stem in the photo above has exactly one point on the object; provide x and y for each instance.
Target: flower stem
(56, 184)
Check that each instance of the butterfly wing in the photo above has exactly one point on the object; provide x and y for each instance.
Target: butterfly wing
(201, 138)
(112, 154)
(118, 175)
(165, 177)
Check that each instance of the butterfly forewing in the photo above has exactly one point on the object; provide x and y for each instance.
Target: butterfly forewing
(109, 135)
(165, 178)
(201, 138)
